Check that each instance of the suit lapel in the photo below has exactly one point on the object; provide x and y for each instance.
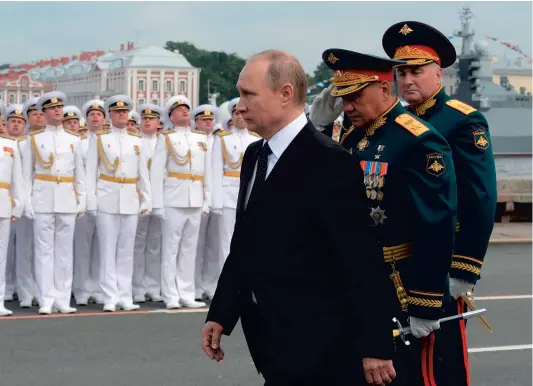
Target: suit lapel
(247, 171)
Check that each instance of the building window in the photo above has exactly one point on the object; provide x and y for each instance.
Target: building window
(11, 98)
(24, 97)
(141, 101)
(36, 95)
(24, 82)
(169, 86)
(183, 86)
(155, 102)
(141, 85)
(155, 85)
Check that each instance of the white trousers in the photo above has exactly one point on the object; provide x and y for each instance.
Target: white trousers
(53, 243)
(86, 259)
(147, 257)
(24, 261)
(229, 217)
(10, 277)
(208, 258)
(180, 238)
(116, 236)
(5, 225)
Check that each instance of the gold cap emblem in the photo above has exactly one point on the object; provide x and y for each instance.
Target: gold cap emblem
(148, 111)
(332, 58)
(95, 106)
(207, 112)
(120, 104)
(405, 30)
(180, 101)
(70, 113)
(18, 111)
(53, 100)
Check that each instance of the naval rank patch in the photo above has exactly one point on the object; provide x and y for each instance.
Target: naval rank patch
(480, 139)
(435, 164)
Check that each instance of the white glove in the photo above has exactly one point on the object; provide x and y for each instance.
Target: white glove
(29, 214)
(159, 213)
(459, 287)
(93, 213)
(422, 327)
(205, 209)
(325, 108)
(217, 211)
(144, 212)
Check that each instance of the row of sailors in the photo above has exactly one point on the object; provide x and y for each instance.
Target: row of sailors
(113, 216)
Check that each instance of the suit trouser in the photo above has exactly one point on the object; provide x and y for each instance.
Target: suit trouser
(208, 266)
(147, 257)
(86, 259)
(116, 234)
(229, 216)
(24, 261)
(53, 244)
(180, 238)
(10, 278)
(5, 225)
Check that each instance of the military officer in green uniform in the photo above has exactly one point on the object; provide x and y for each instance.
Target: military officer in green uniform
(427, 52)
(411, 192)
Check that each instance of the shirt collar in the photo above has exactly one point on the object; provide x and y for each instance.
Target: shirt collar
(283, 138)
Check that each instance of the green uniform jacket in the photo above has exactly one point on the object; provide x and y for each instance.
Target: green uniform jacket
(467, 132)
(411, 190)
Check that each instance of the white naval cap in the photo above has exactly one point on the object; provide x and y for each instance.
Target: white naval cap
(94, 104)
(227, 123)
(135, 117)
(232, 106)
(71, 112)
(175, 102)
(14, 111)
(29, 106)
(149, 110)
(51, 99)
(118, 102)
(82, 123)
(204, 111)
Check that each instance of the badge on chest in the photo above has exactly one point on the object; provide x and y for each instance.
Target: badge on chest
(8, 151)
(374, 178)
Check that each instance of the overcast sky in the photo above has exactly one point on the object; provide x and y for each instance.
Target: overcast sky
(33, 31)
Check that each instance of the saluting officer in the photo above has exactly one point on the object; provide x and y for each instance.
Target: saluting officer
(118, 189)
(228, 152)
(427, 52)
(182, 191)
(54, 174)
(411, 190)
(147, 250)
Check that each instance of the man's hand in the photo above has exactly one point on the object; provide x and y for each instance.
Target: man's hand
(211, 334)
(459, 287)
(378, 371)
(421, 328)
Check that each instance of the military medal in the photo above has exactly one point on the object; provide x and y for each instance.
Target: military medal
(378, 215)
(368, 193)
(373, 194)
(380, 195)
(362, 144)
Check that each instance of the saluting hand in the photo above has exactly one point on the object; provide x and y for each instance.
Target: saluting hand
(211, 334)
(378, 371)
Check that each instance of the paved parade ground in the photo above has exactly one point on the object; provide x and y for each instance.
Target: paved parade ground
(157, 348)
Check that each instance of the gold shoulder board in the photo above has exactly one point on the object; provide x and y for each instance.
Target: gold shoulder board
(254, 134)
(37, 132)
(134, 134)
(198, 132)
(72, 132)
(222, 133)
(460, 106)
(411, 124)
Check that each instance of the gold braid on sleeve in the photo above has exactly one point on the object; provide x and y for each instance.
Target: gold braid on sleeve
(44, 164)
(104, 159)
(231, 164)
(173, 154)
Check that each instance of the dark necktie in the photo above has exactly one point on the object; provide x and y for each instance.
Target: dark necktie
(260, 175)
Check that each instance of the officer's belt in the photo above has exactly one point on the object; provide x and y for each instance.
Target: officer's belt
(397, 252)
(118, 180)
(229, 173)
(52, 178)
(187, 176)
(5, 185)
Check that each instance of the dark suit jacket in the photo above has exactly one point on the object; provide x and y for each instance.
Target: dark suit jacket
(307, 252)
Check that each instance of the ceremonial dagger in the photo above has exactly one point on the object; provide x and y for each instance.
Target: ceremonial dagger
(472, 307)
(402, 332)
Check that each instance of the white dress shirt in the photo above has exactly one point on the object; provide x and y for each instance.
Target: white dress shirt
(278, 144)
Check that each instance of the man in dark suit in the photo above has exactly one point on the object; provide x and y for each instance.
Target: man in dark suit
(306, 278)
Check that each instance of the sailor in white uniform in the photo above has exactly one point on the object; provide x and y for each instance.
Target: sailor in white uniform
(53, 171)
(71, 118)
(86, 287)
(182, 192)
(147, 251)
(228, 153)
(207, 252)
(134, 121)
(118, 189)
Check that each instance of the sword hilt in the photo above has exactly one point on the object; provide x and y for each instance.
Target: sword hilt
(401, 332)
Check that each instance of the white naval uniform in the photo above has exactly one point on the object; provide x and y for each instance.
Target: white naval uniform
(228, 151)
(117, 197)
(12, 198)
(208, 250)
(183, 189)
(53, 171)
(147, 250)
(86, 253)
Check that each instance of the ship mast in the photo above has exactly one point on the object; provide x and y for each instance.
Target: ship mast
(465, 33)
